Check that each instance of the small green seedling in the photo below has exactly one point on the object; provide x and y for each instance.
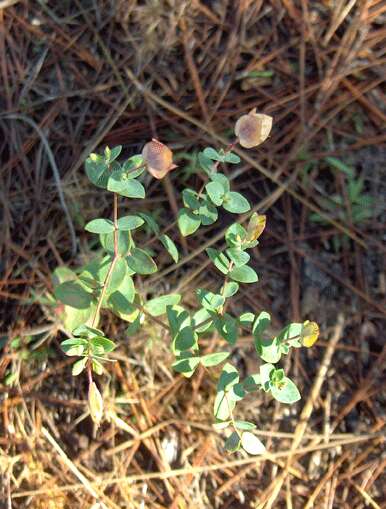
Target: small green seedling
(357, 207)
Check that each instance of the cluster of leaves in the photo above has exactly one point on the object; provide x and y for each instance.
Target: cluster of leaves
(108, 282)
(109, 276)
(200, 208)
(90, 345)
(186, 330)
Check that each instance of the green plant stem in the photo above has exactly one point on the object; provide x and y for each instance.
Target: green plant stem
(106, 281)
(231, 415)
(112, 265)
(223, 286)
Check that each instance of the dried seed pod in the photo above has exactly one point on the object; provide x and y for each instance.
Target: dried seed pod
(256, 226)
(253, 129)
(95, 403)
(158, 158)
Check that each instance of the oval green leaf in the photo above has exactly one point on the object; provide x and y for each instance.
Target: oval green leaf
(100, 226)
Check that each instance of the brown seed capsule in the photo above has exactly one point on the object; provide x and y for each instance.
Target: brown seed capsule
(253, 129)
(158, 158)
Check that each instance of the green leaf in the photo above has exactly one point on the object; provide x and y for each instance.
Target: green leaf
(178, 318)
(10, 379)
(134, 166)
(201, 317)
(150, 221)
(235, 203)
(340, 165)
(124, 242)
(209, 300)
(79, 366)
(232, 443)
(235, 236)
(158, 305)
(120, 301)
(221, 179)
(231, 158)
(74, 346)
(117, 275)
(237, 256)
(183, 335)
(127, 223)
(62, 274)
(135, 325)
(251, 444)
(261, 324)
(100, 345)
(100, 226)
(213, 359)
(94, 273)
(212, 153)
(84, 331)
(246, 319)
(190, 199)
(265, 375)
(188, 222)
(97, 170)
(286, 391)
(268, 349)
(220, 425)
(245, 425)
(216, 192)
(244, 274)
(227, 327)
(186, 363)
(230, 289)
(97, 367)
(185, 339)
(207, 212)
(252, 382)
(112, 154)
(229, 377)
(236, 392)
(73, 293)
(223, 406)
(170, 247)
(72, 317)
(205, 163)
(219, 259)
(140, 262)
(130, 188)
(276, 376)
(354, 188)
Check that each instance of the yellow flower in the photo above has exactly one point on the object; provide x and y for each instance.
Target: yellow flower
(158, 158)
(253, 129)
(310, 333)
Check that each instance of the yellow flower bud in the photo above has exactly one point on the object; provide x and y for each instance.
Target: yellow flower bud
(310, 333)
(95, 403)
(158, 158)
(253, 129)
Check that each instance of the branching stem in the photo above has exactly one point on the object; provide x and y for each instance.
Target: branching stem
(112, 265)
